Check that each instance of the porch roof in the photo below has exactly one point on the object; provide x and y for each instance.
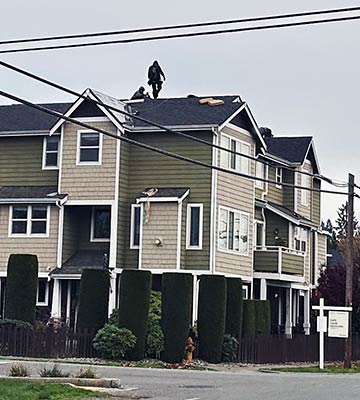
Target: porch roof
(90, 259)
(47, 194)
(163, 194)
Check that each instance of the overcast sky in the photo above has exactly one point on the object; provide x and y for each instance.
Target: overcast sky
(298, 81)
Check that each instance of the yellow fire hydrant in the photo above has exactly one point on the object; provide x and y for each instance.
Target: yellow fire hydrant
(189, 349)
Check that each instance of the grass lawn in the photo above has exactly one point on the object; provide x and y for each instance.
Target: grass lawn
(22, 390)
(330, 369)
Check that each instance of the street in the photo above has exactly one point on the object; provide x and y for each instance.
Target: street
(247, 384)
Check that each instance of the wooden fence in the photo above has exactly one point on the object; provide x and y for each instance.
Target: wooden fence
(63, 343)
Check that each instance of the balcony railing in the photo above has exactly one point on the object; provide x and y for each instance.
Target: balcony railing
(280, 260)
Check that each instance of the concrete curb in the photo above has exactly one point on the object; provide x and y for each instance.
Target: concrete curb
(83, 382)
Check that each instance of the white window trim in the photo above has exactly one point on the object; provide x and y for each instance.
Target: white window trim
(46, 302)
(278, 173)
(92, 238)
(246, 288)
(132, 221)
(237, 252)
(242, 143)
(44, 166)
(78, 162)
(260, 184)
(188, 226)
(28, 233)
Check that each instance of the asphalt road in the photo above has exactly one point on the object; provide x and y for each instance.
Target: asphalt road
(200, 385)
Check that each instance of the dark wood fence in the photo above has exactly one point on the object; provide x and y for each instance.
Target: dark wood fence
(47, 343)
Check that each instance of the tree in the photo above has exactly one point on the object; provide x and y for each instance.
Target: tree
(341, 223)
(331, 239)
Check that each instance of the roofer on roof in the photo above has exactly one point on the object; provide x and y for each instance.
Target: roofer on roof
(139, 94)
(154, 75)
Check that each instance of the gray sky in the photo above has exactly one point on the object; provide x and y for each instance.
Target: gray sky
(298, 81)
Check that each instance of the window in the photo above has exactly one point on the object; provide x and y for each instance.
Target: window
(233, 231)
(89, 147)
(51, 152)
(29, 220)
(100, 224)
(259, 234)
(245, 291)
(260, 173)
(305, 194)
(194, 223)
(231, 160)
(300, 239)
(278, 177)
(42, 292)
(135, 226)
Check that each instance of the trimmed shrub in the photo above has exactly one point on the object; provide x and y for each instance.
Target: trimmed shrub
(262, 317)
(134, 301)
(113, 342)
(234, 307)
(211, 318)
(93, 298)
(16, 323)
(249, 318)
(176, 311)
(229, 349)
(21, 289)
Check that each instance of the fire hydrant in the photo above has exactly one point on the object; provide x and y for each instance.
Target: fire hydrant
(189, 349)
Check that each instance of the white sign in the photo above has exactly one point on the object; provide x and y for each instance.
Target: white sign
(321, 324)
(338, 324)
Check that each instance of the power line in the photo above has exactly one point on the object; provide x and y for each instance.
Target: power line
(180, 26)
(183, 134)
(181, 35)
(158, 150)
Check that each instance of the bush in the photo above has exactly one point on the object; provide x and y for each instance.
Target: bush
(134, 301)
(114, 317)
(176, 311)
(16, 323)
(21, 288)
(249, 318)
(211, 318)
(229, 349)
(19, 370)
(262, 317)
(54, 372)
(86, 373)
(93, 299)
(154, 339)
(234, 307)
(113, 343)
(155, 305)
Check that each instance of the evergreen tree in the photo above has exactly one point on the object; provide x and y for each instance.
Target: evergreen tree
(331, 240)
(341, 223)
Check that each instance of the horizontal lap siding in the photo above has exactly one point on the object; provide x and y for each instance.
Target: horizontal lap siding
(149, 169)
(237, 193)
(266, 261)
(88, 182)
(275, 222)
(315, 207)
(70, 233)
(21, 162)
(322, 251)
(162, 225)
(274, 194)
(292, 264)
(288, 196)
(45, 248)
(301, 209)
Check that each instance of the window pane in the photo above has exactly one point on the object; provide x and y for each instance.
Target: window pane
(38, 227)
(39, 212)
(19, 227)
(244, 233)
(231, 231)
(236, 231)
(232, 155)
(89, 139)
(223, 229)
(89, 155)
(136, 228)
(51, 159)
(19, 213)
(224, 155)
(42, 284)
(303, 246)
(52, 143)
(102, 224)
(259, 234)
(244, 162)
(195, 226)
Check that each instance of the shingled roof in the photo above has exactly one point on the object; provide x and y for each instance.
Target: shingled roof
(292, 149)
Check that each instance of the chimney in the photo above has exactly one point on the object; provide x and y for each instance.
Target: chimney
(265, 132)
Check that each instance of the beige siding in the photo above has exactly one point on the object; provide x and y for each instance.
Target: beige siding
(274, 193)
(71, 229)
(237, 193)
(307, 266)
(163, 224)
(322, 251)
(301, 209)
(44, 247)
(88, 182)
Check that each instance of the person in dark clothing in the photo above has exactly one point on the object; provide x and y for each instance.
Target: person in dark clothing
(154, 75)
(139, 94)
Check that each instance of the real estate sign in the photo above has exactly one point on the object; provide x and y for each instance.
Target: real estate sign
(338, 324)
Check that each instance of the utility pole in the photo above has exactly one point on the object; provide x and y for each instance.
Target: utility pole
(349, 265)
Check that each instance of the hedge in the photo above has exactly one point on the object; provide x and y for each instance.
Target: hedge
(135, 287)
(176, 312)
(249, 318)
(21, 289)
(262, 317)
(211, 316)
(234, 307)
(93, 299)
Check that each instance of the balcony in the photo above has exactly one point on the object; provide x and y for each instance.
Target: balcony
(279, 260)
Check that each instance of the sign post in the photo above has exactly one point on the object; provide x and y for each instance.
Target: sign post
(338, 325)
